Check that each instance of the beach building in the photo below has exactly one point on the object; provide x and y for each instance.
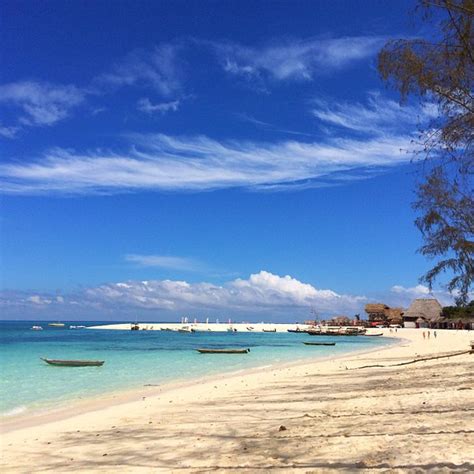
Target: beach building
(381, 314)
(422, 313)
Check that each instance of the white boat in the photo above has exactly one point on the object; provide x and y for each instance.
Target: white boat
(36, 328)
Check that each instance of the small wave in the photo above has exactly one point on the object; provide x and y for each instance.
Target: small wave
(14, 411)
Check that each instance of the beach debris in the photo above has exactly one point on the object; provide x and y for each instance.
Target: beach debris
(282, 428)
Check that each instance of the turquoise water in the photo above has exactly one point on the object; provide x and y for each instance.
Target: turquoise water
(134, 358)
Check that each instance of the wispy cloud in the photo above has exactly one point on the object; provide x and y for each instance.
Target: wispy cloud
(158, 69)
(294, 60)
(145, 105)
(378, 115)
(162, 162)
(9, 132)
(165, 261)
(40, 103)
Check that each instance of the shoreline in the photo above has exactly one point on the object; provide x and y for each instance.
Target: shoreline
(320, 415)
(95, 402)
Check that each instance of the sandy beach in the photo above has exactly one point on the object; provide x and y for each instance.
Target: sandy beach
(320, 416)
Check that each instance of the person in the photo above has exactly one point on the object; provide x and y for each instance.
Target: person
(434, 334)
(428, 334)
(424, 335)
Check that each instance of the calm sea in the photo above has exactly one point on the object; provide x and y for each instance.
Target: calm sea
(133, 358)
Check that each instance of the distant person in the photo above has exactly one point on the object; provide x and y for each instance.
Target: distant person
(428, 334)
(424, 335)
(434, 334)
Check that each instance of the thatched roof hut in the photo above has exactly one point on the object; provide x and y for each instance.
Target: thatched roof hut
(375, 308)
(427, 309)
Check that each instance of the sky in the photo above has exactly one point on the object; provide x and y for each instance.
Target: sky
(202, 158)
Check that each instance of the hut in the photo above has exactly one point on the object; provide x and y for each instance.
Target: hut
(381, 314)
(377, 313)
(422, 313)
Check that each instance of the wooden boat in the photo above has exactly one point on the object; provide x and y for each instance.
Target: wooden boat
(223, 351)
(269, 330)
(56, 325)
(73, 363)
(319, 343)
(376, 334)
(186, 330)
(296, 330)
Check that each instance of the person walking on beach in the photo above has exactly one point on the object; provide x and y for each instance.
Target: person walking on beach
(434, 334)
(424, 335)
(428, 334)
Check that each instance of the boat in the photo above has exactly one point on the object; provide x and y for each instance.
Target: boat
(223, 351)
(135, 327)
(269, 330)
(186, 329)
(250, 328)
(319, 343)
(56, 325)
(295, 330)
(73, 363)
(376, 334)
(36, 328)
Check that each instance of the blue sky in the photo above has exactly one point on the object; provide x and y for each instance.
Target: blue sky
(238, 158)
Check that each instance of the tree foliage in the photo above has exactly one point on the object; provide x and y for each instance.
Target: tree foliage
(456, 312)
(439, 70)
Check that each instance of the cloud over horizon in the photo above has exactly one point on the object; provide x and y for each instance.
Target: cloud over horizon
(262, 292)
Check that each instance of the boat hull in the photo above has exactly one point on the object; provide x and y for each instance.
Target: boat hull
(74, 363)
(223, 351)
(319, 343)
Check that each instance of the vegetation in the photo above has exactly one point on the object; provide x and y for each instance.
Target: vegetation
(459, 312)
(439, 70)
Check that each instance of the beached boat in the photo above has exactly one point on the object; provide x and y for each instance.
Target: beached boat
(73, 363)
(250, 328)
(296, 330)
(36, 328)
(376, 334)
(269, 330)
(223, 351)
(319, 343)
(56, 325)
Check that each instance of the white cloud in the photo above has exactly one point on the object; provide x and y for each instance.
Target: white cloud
(159, 69)
(162, 261)
(41, 103)
(294, 60)
(145, 105)
(9, 132)
(162, 162)
(262, 291)
(378, 116)
(405, 295)
(39, 300)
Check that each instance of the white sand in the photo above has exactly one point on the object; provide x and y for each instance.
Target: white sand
(337, 418)
(212, 327)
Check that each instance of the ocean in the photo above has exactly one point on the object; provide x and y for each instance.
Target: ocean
(133, 359)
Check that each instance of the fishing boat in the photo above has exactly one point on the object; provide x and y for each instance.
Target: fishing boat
(186, 329)
(319, 343)
(269, 330)
(295, 330)
(73, 363)
(56, 325)
(375, 334)
(36, 328)
(223, 351)
(250, 328)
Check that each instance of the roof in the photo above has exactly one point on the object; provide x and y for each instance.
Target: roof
(427, 308)
(375, 308)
